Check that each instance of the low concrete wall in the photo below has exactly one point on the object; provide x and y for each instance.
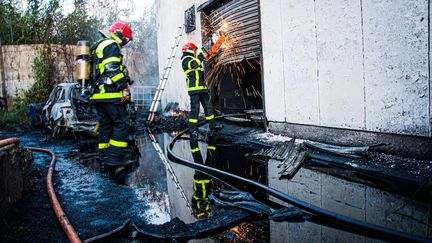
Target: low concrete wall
(18, 62)
(403, 145)
(15, 166)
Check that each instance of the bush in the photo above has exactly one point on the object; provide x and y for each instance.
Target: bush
(43, 69)
(15, 117)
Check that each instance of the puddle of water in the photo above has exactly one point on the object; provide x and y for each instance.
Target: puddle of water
(150, 183)
(350, 199)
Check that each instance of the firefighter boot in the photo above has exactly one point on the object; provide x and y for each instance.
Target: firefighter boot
(214, 128)
(121, 174)
(200, 201)
(103, 156)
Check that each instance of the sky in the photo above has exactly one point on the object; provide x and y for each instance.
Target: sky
(68, 7)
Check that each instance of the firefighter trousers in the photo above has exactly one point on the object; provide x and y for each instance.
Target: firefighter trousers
(195, 101)
(113, 132)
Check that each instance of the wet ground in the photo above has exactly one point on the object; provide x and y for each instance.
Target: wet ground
(94, 204)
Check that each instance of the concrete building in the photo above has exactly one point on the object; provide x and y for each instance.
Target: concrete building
(343, 72)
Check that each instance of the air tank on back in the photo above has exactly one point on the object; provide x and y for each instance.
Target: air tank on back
(82, 54)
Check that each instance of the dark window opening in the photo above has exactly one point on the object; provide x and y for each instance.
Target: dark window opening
(237, 87)
(190, 19)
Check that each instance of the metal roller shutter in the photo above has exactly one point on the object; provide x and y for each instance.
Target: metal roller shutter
(239, 19)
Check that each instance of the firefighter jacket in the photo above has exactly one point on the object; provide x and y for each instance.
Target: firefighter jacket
(194, 70)
(111, 77)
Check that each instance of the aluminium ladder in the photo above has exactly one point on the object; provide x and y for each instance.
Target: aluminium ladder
(164, 78)
(168, 167)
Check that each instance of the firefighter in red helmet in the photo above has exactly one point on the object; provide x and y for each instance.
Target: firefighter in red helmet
(193, 67)
(111, 96)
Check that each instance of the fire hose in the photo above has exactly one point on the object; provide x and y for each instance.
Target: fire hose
(61, 216)
(340, 221)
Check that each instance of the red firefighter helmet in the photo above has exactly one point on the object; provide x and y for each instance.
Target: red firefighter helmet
(122, 30)
(189, 47)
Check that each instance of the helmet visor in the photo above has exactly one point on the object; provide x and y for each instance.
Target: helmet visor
(125, 40)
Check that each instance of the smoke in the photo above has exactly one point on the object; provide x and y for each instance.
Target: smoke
(140, 55)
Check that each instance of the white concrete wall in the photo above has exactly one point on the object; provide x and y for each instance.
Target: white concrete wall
(348, 64)
(170, 16)
(396, 66)
(429, 76)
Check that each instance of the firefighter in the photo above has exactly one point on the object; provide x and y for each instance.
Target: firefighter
(192, 64)
(111, 96)
(200, 202)
(203, 184)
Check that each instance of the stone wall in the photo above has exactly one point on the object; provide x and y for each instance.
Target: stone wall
(18, 61)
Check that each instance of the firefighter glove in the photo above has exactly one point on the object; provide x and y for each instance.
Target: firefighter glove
(126, 95)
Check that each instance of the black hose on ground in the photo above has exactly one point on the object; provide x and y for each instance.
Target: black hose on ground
(341, 222)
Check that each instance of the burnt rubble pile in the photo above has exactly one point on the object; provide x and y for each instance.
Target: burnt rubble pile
(15, 174)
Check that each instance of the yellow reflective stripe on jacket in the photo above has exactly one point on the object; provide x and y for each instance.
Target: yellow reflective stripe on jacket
(106, 61)
(191, 120)
(190, 68)
(100, 48)
(98, 96)
(197, 88)
(103, 145)
(209, 117)
(117, 77)
(96, 129)
(116, 38)
(101, 89)
(119, 144)
(197, 74)
(196, 150)
(211, 147)
(196, 60)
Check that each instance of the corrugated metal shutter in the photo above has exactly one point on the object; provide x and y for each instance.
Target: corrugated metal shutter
(240, 21)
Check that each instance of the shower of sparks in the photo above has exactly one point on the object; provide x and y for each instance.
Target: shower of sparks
(245, 232)
(226, 60)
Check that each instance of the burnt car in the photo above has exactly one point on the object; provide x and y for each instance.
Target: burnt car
(68, 113)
